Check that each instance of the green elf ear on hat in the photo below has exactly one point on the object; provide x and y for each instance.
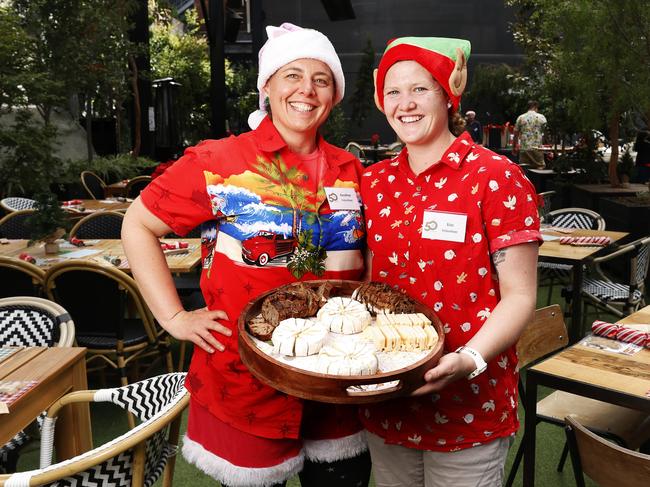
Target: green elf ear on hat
(445, 58)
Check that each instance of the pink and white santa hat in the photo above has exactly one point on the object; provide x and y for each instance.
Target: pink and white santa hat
(285, 44)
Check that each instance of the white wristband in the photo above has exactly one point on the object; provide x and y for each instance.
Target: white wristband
(479, 362)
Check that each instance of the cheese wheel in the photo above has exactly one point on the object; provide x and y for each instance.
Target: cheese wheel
(347, 358)
(297, 337)
(344, 315)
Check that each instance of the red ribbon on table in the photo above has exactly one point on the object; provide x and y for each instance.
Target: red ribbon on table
(593, 240)
(621, 333)
(174, 245)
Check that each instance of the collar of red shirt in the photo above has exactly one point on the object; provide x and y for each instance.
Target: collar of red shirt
(453, 157)
(269, 140)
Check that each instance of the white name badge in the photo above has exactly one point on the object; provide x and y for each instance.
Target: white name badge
(342, 198)
(442, 225)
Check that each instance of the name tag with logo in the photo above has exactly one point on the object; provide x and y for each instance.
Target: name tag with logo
(342, 198)
(442, 225)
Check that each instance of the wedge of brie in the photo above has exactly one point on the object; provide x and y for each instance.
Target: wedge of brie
(297, 337)
(344, 315)
(347, 358)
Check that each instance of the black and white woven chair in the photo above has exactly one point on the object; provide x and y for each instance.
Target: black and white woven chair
(15, 203)
(93, 184)
(27, 321)
(101, 224)
(358, 151)
(545, 200)
(16, 224)
(139, 457)
(551, 273)
(605, 293)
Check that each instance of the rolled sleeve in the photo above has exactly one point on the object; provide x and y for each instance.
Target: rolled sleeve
(179, 197)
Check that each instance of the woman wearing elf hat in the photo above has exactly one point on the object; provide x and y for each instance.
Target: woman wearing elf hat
(270, 183)
(455, 226)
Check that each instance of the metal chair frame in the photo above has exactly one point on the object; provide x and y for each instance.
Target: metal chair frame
(101, 182)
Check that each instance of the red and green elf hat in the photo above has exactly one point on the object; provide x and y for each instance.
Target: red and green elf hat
(445, 58)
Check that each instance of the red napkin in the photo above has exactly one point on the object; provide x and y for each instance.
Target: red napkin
(621, 333)
(72, 203)
(591, 241)
(174, 245)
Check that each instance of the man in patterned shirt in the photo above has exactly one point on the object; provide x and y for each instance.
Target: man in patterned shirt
(529, 132)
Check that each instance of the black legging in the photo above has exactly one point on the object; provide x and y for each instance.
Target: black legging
(351, 472)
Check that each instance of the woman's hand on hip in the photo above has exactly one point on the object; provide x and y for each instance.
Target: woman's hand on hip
(450, 368)
(196, 327)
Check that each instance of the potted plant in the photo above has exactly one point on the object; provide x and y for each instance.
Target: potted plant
(49, 223)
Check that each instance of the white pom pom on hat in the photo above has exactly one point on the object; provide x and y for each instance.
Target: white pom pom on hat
(285, 44)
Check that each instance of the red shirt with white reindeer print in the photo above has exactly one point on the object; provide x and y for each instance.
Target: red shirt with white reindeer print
(270, 225)
(432, 235)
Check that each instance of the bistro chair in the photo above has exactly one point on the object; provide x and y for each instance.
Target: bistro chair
(101, 299)
(551, 273)
(20, 278)
(15, 203)
(607, 464)
(94, 185)
(136, 185)
(101, 224)
(610, 295)
(357, 150)
(15, 225)
(545, 200)
(395, 146)
(136, 458)
(546, 334)
(27, 321)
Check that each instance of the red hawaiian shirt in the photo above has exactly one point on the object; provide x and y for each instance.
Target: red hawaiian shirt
(272, 223)
(432, 236)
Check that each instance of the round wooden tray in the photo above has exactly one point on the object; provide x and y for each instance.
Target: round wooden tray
(325, 387)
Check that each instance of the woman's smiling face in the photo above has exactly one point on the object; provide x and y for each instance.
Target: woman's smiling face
(414, 103)
(301, 95)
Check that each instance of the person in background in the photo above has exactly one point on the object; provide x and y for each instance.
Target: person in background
(642, 148)
(474, 127)
(455, 226)
(528, 137)
(271, 182)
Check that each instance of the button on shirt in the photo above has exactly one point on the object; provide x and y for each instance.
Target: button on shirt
(261, 197)
(456, 279)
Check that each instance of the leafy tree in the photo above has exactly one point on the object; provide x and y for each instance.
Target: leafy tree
(594, 55)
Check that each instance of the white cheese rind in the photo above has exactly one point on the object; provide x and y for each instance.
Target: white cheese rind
(347, 358)
(297, 337)
(344, 315)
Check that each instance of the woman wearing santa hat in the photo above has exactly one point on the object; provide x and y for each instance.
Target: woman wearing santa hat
(455, 226)
(271, 183)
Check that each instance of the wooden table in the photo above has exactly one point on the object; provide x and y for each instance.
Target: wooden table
(575, 256)
(93, 206)
(589, 195)
(116, 189)
(610, 377)
(178, 263)
(57, 371)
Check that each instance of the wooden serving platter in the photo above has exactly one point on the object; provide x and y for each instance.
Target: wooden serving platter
(336, 389)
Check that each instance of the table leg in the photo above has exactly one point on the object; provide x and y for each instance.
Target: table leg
(576, 304)
(73, 431)
(530, 427)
